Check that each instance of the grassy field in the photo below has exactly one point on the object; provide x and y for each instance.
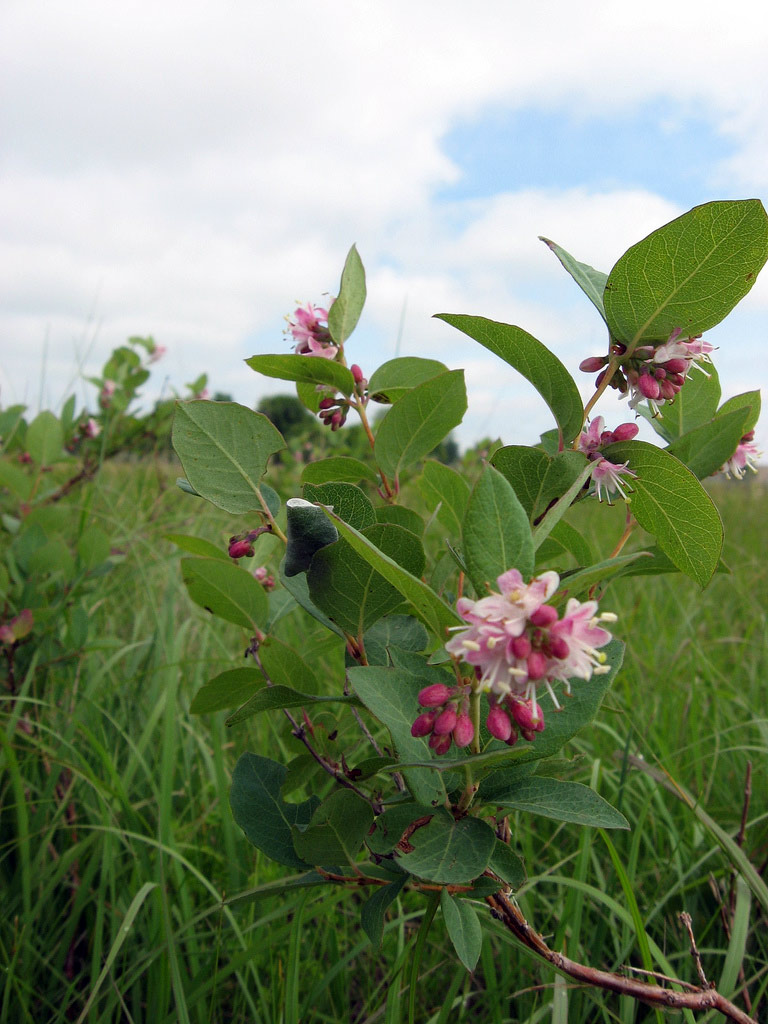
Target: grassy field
(117, 844)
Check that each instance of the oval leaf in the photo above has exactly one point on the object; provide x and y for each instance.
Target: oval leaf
(463, 929)
(346, 308)
(226, 590)
(396, 377)
(449, 852)
(563, 801)
(496, 532)
(306, 369)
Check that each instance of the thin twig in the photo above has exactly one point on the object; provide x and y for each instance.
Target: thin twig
(685, 917)
(509, 914)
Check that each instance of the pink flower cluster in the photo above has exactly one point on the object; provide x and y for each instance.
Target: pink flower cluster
(446, 719)
(743, 458)
(606, 475)
(333, 409)
(309, 328)
(653, 373)
(518, 643)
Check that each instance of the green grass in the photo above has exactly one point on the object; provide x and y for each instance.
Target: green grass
(117, 845)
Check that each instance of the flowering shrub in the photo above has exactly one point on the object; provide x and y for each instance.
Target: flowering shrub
(475, 645)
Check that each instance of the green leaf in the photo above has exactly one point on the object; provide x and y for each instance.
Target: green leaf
(93, 547)
(306, 369)
(346, 500)
(16, 480)
(374, 910)
(197, 546)
(496, 533)
(336, 831)
(706, 449)
(577, 583)
(507, 865)
(226, 690)
(400, 515)
(695, 404)
(396, 377)
(299, 590)
(286, 666)
(346, 309)
(563, 801)
(447, 851)
(275, 698)
(534, 361)
(556, 512)
(565, 538)
(428, 606)
(591, 281)
(463, 929)
(308, 531)
(224, 449)
(536, 477)
(225, 590)
(670, 503)
(447, 491)
(260, 811)
(401, 631)
(45, 439)
(391, 696)
(689, 273)
(348, 589)
(749, 400)
(419, 421)
(337, 468)
(392, 825)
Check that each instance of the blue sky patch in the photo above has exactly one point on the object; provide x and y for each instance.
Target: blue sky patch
(666, 149)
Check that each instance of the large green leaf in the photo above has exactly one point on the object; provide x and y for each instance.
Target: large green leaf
(396, 377)
(260, 811)
(226, 590)
(45, 439)
(392, 824)
(463, 929)
(695, 403)
(224, 449)
(391, 696)
(374, 910)
(350, 590)
(749, 400)
(426, 603)
(446, 491)
(496, 533)
(537, 478)
(534, 361)
(336, 831)
(275, 698)
(346, 309)
(689, 273)
(305, 369)
(226, 690)
(507, 865)
(337, 468)
(419, 421)
(346, 500)
(670, 503)
(591, 281)
(563, 801)
(707, 448)
(447, 851)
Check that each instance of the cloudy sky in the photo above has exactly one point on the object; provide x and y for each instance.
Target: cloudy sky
(190, 170)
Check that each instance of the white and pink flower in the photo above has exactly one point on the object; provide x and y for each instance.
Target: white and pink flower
(309, 328)
(745, 457)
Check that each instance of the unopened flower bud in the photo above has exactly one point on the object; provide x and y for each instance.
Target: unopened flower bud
(521, 646)
(559, 648)
(648, 386)
(537, 665)
(675, 365)
(357, 373)
(240, 549)
(463, 731)
(593, 363)
(498, 724)
(434, 696)
(625, 431)
(667, 390)
(440, 744)
(528, 715)
(544, 616)
(446, 722)
(423, 724)
(327, 403)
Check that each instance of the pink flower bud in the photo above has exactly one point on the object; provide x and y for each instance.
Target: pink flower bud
(544, 616)
(446, 722)
(521, 646)
(423, 724)
(327, 403)
(463, 731)
(435, 695)
(240, 549)
(559, 648)
(593, 363)
(675, 365)
(440, 744)
(625, 431)
(648, 386)
(537, 665)
(528, 715)
(676, 380)
(667, 390)
(498, 724)
(357, 373)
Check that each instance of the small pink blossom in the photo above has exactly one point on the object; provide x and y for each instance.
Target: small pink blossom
(309, 329)
(607, 477)
(157, 353)
(745, 457)
(90, 428)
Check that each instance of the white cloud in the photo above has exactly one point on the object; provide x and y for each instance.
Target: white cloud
(188, 170)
